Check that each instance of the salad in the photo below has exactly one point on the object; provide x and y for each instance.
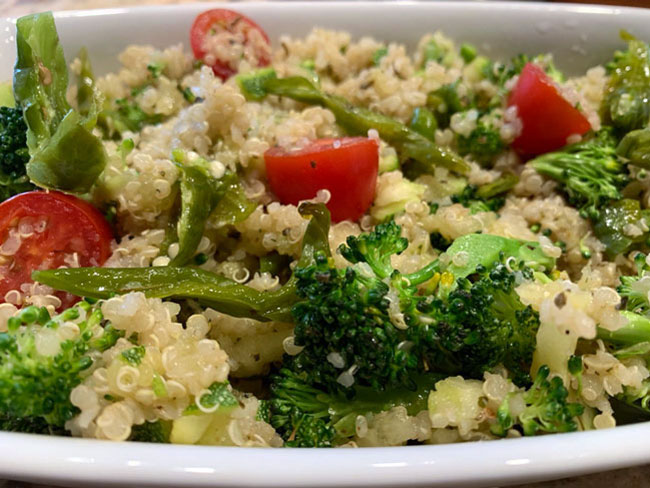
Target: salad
(331, 243)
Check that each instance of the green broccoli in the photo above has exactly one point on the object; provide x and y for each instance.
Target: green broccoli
(384, 333)
(634, 289)
(589, 173)
(157, 432)
(486, 198)
(547, 409)
(306, 416)
(35, 385)
(445, 102)
(483, 143)
(14, 154)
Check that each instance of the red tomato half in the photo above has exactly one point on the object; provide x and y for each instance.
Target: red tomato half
(548, 119)
(346, 167)
(47, 230)
(221, 38)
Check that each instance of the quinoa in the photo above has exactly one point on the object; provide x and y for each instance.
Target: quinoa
(187, 349)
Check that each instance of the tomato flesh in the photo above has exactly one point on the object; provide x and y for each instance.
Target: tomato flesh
(547, 118)
(239, 36)
(346, 167)
(47, 230)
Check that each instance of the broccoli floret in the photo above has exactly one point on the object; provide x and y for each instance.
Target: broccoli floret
(483, 143)
(486, 198)
(479, 324)
(547, 409)
(445, 102)
(634, 289)
(306, 416)
(369, 325)
(157, 432)
(29, 425)
(13, 153)
(38, 371)
(589, 173)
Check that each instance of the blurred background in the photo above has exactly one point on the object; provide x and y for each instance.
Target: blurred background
(22, 7)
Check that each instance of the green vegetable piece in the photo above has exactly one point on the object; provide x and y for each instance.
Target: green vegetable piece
(14, 154)
(234, 206)
(468, 52)
(424, 122)
(134, 355)
(637, 330)
(158, 386)
(483, 143)
(7, 95)
(274, 263)
(65, 155)
(86, 95)
(498, 187)
(358, 121)
(188, 95)
(432, 52)
(210, 289)
(252, 84)
(157, 432)
(219, 396)
(445, 102)
(486, 198)
(609, 228)
(547, 409)
(307, 416)
(156, 69)
(34, 387)
(378, 55)
(627, 99)
(635, 147)
(589, 173)
(200, 194)
(486, 249)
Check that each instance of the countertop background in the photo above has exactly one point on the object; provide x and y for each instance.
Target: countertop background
(637, 477)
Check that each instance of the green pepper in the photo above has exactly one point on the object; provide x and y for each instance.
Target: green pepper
(424, 122)
(209, 289)
(610, 227)
(358, 121)
(64, 153)
(200, 194)
(627, 99)
(635, 147)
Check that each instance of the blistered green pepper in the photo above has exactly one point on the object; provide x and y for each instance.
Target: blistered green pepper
(64, 154)
(627, 99)
(635, 147)
(210, 289)
(611, 226)
(358, 121)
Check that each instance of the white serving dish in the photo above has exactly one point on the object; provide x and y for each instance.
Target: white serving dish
(579, 36)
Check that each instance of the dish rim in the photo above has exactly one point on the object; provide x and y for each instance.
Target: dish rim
(24, 456)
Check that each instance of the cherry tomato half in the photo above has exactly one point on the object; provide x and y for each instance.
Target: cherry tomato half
(347, 167)
(221, 38)
(47, 230)
(547, 118)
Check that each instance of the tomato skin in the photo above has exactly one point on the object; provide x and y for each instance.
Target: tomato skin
(547, 118)
(71, 226)
(226, 18)
(348, 171)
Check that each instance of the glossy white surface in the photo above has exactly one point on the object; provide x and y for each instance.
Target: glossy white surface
(579, 36)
